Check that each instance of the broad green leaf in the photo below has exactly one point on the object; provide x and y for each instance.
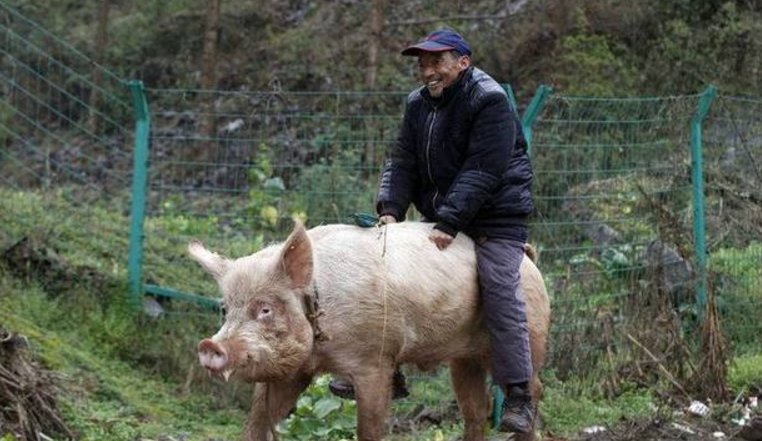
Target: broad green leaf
(326, 405)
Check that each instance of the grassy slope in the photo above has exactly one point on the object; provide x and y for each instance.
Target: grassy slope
(127, 377)
(122, 373)
(104, 397)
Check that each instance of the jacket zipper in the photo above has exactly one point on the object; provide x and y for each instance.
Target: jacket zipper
(428, 159)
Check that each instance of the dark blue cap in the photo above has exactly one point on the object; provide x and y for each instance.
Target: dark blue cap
(440, 40)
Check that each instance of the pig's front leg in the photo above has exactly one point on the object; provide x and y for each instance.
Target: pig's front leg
(373, 390)
(272, 403)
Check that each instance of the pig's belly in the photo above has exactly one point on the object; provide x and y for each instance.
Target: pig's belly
(428, 356)
(436, 333)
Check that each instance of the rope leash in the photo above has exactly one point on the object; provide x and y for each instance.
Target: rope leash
(383, 232)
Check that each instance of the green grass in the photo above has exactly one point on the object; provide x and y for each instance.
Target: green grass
(745, 373)
(568, 408)
(104, 396)
(737, 275)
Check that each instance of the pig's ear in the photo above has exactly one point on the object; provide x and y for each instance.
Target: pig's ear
(213, 263)
(296, 257)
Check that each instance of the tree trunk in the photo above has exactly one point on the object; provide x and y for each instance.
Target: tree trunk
(371, 74)
(374, 41)
(99, 55)
(209, 73)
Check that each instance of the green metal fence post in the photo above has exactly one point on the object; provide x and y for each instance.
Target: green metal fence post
(511, 96)
(139, 184)
(531, 112)
(697, 175)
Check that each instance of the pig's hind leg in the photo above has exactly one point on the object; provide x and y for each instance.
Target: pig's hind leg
(468, 381)
(373, 389)
(272, 403)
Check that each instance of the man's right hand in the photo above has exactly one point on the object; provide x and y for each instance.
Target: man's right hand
(386, 219)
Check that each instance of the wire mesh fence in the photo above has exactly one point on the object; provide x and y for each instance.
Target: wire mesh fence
(614, 224)
(65, 154)
(733, 171)
(243, 169)
(615, 191)
(298, 138)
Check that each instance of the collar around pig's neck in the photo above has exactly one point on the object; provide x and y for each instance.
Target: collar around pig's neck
(313, 312)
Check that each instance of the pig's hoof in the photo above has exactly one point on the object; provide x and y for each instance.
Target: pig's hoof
(344, 389)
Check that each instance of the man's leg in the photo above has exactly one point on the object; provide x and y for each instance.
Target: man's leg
(344, 389)
(499, 261)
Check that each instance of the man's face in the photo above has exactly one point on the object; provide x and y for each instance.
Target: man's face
(438, 70)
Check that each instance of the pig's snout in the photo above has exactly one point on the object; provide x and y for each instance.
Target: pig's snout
(212, 356)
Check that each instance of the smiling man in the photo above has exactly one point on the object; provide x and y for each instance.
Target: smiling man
(461, 159)
(440, 70)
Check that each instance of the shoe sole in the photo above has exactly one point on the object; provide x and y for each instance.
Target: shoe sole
(349, 394)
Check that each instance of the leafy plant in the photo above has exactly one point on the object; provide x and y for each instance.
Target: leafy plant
(334, 189)
(267, 201)
(320, 415)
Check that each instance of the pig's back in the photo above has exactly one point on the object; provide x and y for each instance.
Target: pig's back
(391, 289)
(439, 291)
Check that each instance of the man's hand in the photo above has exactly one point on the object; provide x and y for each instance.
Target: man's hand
(386, 219)
(441, 239)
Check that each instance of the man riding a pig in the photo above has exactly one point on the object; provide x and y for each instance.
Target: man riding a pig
(461, 159)
(357, 302)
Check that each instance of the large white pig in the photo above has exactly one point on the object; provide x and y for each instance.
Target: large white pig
(356, 302)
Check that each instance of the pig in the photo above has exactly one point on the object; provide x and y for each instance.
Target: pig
(357, 302)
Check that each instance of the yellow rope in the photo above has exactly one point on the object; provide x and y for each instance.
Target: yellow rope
(383, 233)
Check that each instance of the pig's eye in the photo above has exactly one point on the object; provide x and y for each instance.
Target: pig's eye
(223, 311)
(264, 312)
(261, 311)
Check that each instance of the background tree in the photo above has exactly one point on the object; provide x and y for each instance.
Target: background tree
(209, 70)
(371, 74)
(374, 42)
(99, 56)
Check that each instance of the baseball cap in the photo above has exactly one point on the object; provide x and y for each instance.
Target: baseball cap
(439, 41)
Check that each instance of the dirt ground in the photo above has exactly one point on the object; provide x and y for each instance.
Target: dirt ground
(687, 428)
(681, 426)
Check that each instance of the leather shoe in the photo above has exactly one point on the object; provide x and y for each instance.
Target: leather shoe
(518, 412)
(344, 389)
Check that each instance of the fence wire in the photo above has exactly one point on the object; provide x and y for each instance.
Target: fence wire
(733, 171)
(613, 187)
(614, 225)
(68, 155)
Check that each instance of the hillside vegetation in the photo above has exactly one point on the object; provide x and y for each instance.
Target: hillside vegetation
(599, 47)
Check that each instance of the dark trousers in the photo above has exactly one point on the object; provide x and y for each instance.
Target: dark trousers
(498, 261)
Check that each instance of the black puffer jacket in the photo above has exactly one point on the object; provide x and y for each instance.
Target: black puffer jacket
(462, 160)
